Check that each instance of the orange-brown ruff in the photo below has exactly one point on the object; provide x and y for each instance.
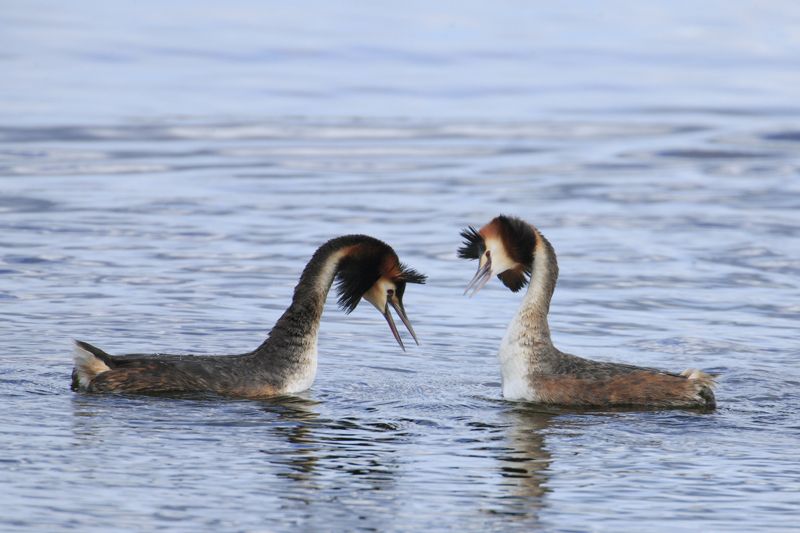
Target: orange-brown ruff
(286, 362)
(535, 370)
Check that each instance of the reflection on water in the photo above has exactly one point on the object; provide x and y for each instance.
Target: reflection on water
(666, 260)
(295, 419)
(525, 464)
(166, 173)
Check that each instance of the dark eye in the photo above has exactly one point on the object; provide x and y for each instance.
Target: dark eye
(390, 292)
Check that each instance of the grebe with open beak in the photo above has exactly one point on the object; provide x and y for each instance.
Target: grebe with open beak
(286, 362)
(535, 370)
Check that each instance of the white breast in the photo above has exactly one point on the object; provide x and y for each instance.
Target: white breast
(526, 335)
(305, 375)
(514, 371)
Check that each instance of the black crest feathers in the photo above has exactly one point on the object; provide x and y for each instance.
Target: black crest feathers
(409, 275)
(519, 239)
(514, 279)
(473, 245)
(368, 261)
(357, 273)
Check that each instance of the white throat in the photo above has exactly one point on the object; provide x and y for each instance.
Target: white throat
(303, 378)
(528, 333)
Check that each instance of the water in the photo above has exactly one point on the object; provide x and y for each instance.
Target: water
(168, 169)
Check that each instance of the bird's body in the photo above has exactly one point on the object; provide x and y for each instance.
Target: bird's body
(286, 362)
(532, 367)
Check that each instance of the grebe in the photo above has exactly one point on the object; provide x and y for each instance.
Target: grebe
(535, 370)
(286, 362)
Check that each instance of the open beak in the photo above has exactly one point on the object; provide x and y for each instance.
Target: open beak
(390, 320)
(381, 297)
(397, 304)
(481, 278)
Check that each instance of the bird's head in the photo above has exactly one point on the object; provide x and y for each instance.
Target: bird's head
(504, 247)
(371, 270)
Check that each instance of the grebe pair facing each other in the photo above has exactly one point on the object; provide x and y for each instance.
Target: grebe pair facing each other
(286, 362)
(535, 370)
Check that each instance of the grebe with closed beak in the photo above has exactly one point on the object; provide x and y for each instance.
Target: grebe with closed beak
(535, 370)
(286, 362)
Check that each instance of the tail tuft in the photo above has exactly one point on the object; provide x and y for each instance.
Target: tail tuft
(700, 376)
(89, 361)
(705, 384)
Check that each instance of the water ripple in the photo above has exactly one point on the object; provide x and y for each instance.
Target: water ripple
(670, 256)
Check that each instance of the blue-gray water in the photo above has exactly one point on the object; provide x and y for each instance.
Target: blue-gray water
(167, 169)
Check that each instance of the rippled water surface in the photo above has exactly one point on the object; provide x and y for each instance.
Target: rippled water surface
(167, 174)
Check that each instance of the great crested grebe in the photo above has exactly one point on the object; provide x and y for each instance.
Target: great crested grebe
(535, 370)
(286, 362)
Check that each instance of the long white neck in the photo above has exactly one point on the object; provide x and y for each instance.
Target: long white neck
(289, 355)
(527, 338)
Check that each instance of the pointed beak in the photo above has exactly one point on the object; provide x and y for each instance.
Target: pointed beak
(397, 304)
(381, 296)
(390, 320)
(481, 278)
